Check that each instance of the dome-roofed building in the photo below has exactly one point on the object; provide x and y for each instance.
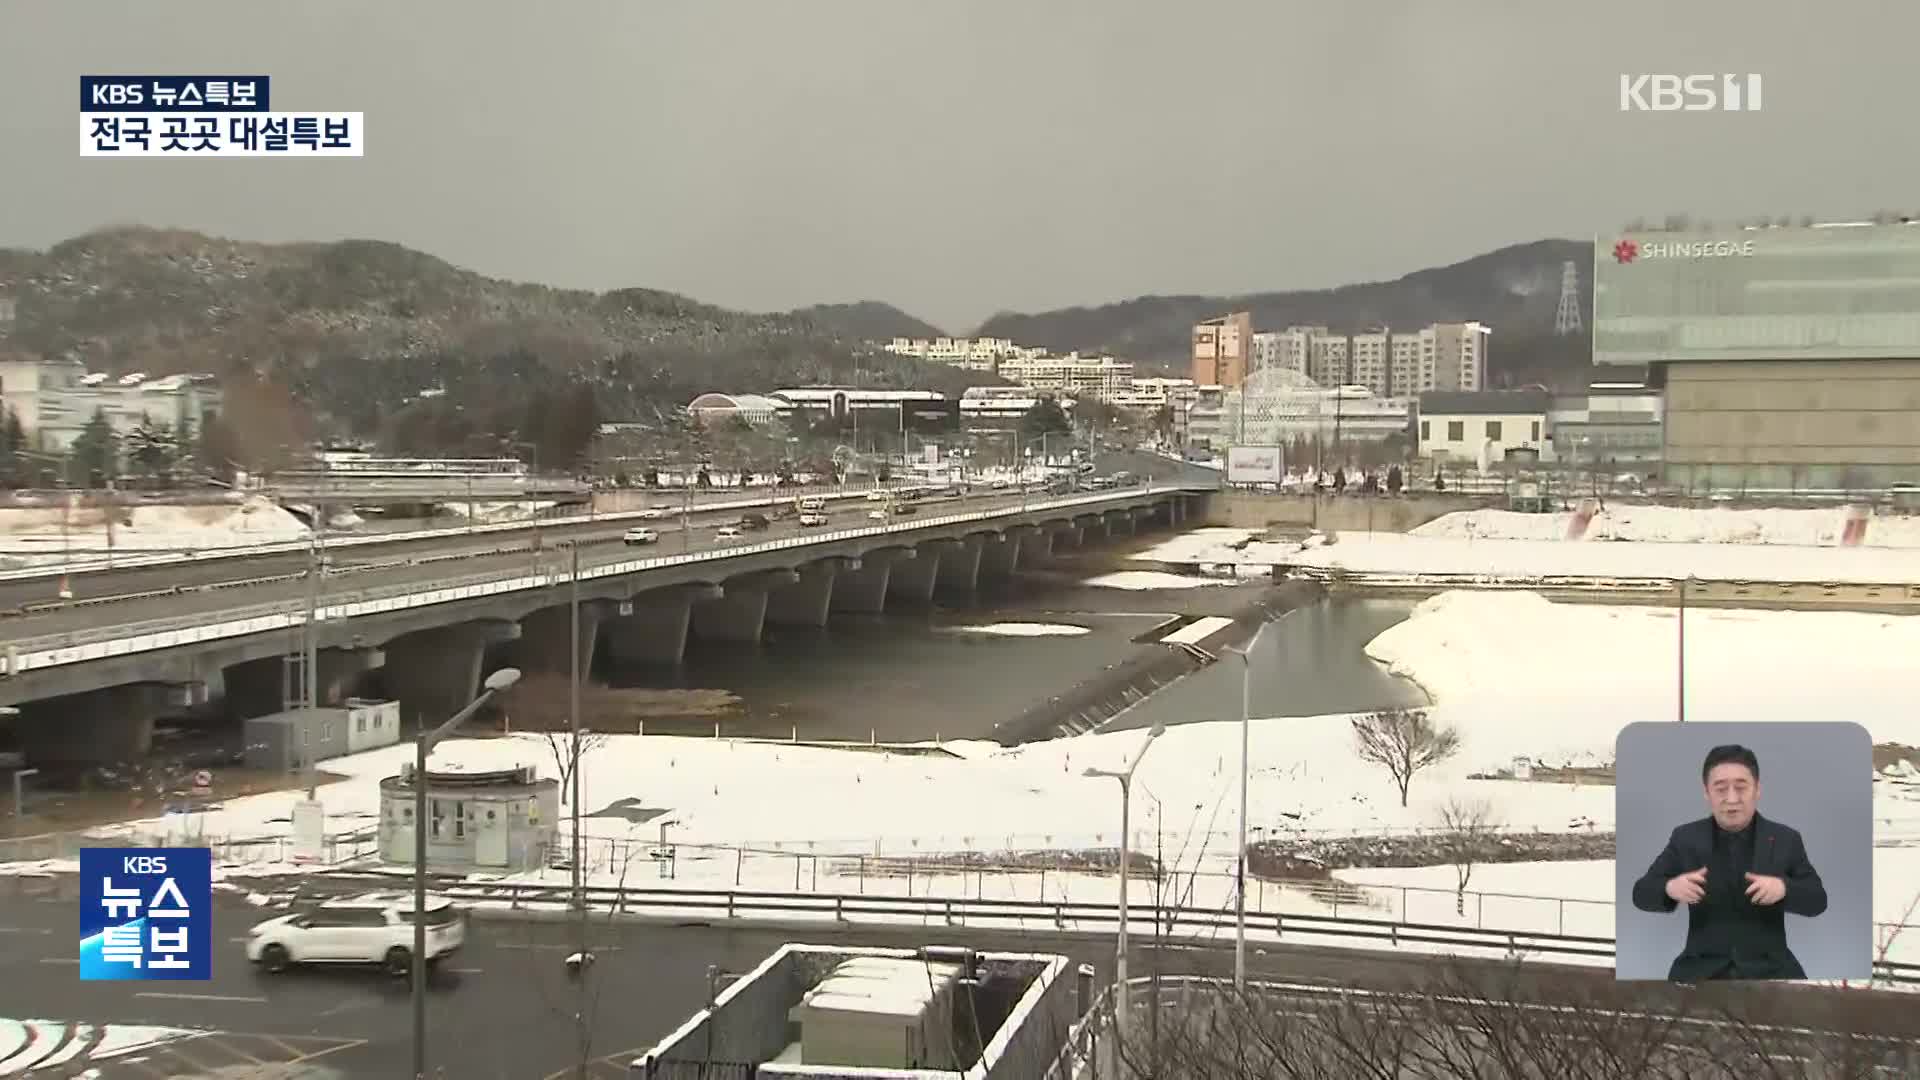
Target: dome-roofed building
(755, 409)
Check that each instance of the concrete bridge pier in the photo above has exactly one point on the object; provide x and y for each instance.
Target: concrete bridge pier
(1177, 511)
(864, 591)
(101, 727)
(1062, 539)
(261, 687)
(808, 601)
(740, 613)
(1000, 555)
(1093, 529)
(912, 582)
(1118, 522)
(655, 633)
(435, 673)
(546, 638)
(959, 572)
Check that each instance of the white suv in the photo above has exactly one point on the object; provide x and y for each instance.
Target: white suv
(376, 928)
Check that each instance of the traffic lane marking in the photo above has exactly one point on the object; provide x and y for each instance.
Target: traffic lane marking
(181, 996)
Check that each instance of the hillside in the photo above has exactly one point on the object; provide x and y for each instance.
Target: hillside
(343, 339)
(868, 320)
(1515, 290)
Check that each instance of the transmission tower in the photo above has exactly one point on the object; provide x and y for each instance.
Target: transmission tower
(1567, 319)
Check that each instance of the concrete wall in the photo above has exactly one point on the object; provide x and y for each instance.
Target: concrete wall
(1793, 424)
(1351, 513)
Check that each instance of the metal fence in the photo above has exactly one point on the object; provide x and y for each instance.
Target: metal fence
(339, 849)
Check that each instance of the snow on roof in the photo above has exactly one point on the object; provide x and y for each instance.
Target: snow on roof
(886, 985)
(480, 756)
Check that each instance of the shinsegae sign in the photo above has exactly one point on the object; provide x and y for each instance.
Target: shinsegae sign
(1627, 251)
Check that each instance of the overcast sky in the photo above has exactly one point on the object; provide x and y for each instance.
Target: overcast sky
(959, 157)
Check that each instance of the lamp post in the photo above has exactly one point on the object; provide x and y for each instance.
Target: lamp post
(1125, 777)
(423, 745)
(1240, 871)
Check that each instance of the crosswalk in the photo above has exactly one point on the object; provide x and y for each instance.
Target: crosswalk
(62, 1050)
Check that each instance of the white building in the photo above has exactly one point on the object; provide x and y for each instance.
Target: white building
(55, 399)
(1152, 395)
(1465, 427)
(1390, 363)
(973, 354)
(1001, 407)
(1278, 405)
(755, 409)
(1101, 376)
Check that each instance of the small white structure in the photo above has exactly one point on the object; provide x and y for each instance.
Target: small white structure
(878, 1012)
(371, 724)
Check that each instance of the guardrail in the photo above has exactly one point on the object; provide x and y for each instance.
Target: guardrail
(287, 547)
(1704, 590)
(53, 650)
(1055, 916)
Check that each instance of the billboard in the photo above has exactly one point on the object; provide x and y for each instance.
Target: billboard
(1253, 465)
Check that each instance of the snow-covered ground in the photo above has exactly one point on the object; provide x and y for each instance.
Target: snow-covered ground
(50, 532)
(1390, 553)
(1149, 579)
(1820, 527)
(1398, 553)
(1024, 629)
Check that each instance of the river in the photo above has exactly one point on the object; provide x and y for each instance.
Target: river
(917, 676)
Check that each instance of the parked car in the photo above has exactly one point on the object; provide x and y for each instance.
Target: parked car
(640, 536)
(373, 928)
(727, 532)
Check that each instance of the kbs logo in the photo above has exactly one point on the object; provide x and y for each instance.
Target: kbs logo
(1689, 93)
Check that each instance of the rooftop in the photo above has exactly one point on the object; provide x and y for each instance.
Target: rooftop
(885, 985)
(1484, 402)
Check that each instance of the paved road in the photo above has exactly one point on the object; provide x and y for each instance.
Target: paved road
(385, 569)
(503, 1007)
(239, 566)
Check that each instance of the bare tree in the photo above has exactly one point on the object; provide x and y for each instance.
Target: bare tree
(1468, 829)
(561, 745)
(1403, 741)
(1474, 1019)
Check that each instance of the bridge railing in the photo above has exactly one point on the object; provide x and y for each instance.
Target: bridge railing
(96, 643)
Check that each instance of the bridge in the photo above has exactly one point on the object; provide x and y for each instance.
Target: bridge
(392, 488)
(91, 677)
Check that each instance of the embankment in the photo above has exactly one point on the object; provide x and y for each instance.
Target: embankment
(1154, 665)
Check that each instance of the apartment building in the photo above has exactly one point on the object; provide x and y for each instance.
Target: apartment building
(972, 354)
(55, 398)
(1151, 395)
(1222, 350)
(1389, 363)
(1098, 376)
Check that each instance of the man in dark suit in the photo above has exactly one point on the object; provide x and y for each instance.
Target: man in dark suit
(1739, 874)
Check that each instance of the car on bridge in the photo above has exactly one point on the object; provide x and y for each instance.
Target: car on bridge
(652, 513)
(373, 928)
(727, 532)
(812, 519)
(641, 535)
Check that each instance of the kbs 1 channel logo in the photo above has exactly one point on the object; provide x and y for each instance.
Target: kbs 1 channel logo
(146, 913)
(206, 116)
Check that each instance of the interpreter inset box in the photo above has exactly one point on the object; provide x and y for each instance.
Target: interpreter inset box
(1743, 851)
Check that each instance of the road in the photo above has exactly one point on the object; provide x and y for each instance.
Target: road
(424, 565)
(503, 1006)
(240, 566)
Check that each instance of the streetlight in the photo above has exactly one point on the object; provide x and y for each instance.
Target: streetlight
(424, 743)
(1240, 872)
(1126, 790)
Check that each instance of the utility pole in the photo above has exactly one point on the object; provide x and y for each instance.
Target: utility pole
(1680, 699)
(579, 896)
(316, 565)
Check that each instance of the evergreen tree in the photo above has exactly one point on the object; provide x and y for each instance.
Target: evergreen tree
(152, 452)
(12, 440)
(94, 458)
(1045, 417)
